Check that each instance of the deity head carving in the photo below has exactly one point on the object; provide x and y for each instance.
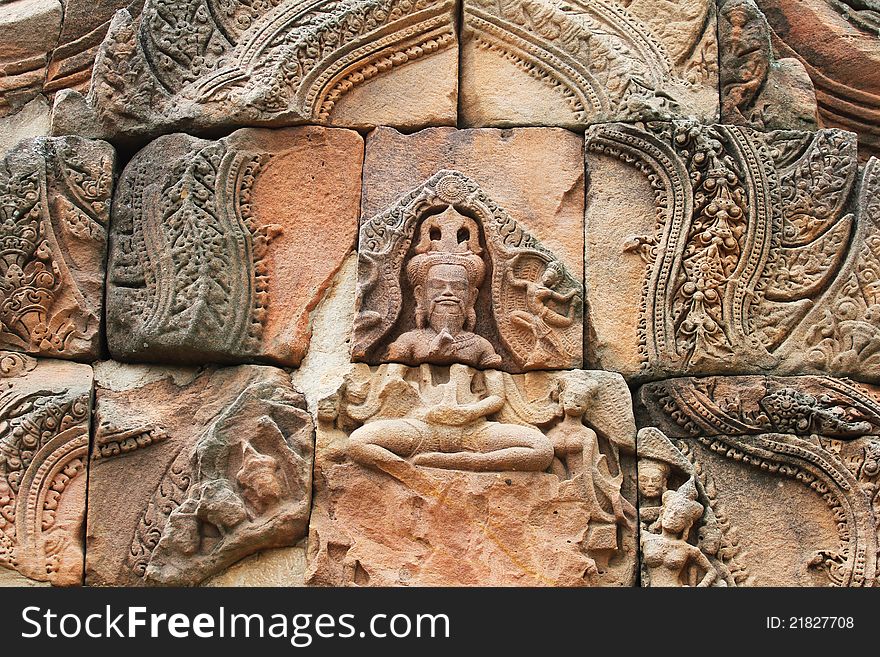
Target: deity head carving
(447, 270)
(653, 477)
(576, 394)
(681, 509)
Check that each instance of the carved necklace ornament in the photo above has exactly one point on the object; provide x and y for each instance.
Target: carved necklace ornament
(478, 286)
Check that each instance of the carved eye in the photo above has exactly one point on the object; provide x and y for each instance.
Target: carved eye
(435, 234)
(463, 235)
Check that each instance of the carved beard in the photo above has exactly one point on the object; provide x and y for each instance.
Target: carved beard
(446, 317)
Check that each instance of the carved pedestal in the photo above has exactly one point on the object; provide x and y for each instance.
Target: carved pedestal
(217, 466)
(452, 476)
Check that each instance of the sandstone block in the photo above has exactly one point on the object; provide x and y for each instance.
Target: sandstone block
(55, 207)
(354, 63)
(28, 32)
(570, 64)
(762, 482)
(837, 44)
(454, 476)
(218, 466)
(44, 445)
(757, 88)
(482, 262)
(719, 249)
(221, 250)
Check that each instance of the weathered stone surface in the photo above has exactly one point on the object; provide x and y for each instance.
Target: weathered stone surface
(353, 63)
(213, 251)
(55, 207)
(453, 476)
(44, 444)
(836, 40)
(776, 483)
(216, 467)
(84, 27)
(757, 89)
(546, 62)
(748, 405)
(28, 32)
(32, 120)
(278, 567)
(486, 211)
(718, 249)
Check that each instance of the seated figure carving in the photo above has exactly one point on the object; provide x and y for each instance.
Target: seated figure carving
(445, 275)
(447, 426)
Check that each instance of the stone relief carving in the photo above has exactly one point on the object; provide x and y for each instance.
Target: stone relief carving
(753, 435)
(44, 442)
(54, 211)
(446, 276)
(203, 63)
(836, 41)
(432, 440)
(232, 480)
(757, 88)
(207, 247)
(762, 256)
(748, 405)
(576, 63)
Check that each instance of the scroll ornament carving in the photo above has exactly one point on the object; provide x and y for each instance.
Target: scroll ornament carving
(818, 431)
(190, 273)
(446, 275)
(54, 210)
(761, 248)
(606, 60)
(206, 63)
(44, 445)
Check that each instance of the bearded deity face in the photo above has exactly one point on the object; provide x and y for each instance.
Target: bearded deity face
(448, 293)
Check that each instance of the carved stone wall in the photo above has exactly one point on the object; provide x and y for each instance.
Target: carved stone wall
(212, 244)
(44, 444)
(424, 476)
(778, 477)
(224, 459)
(439, 292)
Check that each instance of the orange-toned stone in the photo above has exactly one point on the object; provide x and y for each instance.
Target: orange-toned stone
(223, 249)
(215, 468)
(44, 442)
(535, 174)
(55, 197)
(497, 216)
(453, 476)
